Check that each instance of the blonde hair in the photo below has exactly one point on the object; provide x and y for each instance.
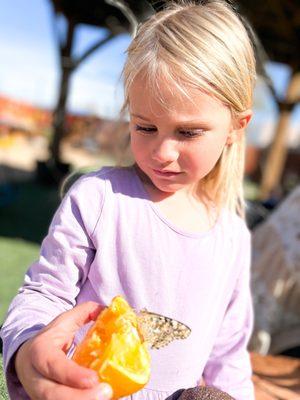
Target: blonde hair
(204, 46)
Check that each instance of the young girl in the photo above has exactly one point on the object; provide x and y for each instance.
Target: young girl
(166, 233)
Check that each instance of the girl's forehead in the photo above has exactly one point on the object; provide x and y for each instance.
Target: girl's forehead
(164, 97)
(161, 86)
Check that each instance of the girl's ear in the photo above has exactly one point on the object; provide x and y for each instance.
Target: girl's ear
(239, 126)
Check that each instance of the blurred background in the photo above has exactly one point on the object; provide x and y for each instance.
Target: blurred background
(60, 98)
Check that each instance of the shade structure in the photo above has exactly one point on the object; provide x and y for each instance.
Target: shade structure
(91, 12)
(277, 24)
(110, 14)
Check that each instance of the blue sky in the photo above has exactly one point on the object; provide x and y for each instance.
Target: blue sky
(29, 60)
(29, 66)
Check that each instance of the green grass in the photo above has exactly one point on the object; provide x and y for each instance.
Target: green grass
(3, 392)
(15, 257)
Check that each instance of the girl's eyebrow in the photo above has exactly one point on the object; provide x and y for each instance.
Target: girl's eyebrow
(190, 124)
(194, 123)
(139, 116)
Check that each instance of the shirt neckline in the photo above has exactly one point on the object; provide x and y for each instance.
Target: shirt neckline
(165, 220)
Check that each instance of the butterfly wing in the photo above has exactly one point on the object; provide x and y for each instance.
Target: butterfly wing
(158, 330)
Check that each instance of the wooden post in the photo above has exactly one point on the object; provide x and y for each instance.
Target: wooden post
(277, 154)
(60, 110)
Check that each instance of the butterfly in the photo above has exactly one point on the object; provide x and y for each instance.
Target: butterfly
(158, 330)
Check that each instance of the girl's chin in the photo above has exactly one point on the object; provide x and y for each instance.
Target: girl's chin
(163, 184)
(167, 187)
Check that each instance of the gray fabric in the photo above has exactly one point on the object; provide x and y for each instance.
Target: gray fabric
(200, 393)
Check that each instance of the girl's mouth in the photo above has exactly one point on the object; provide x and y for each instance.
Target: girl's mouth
(165, 173)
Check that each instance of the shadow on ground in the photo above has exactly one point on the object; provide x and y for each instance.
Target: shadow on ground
(26, 206)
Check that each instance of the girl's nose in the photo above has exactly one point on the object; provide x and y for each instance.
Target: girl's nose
(165, 151)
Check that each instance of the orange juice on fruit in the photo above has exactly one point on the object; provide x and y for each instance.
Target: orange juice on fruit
(114, 348)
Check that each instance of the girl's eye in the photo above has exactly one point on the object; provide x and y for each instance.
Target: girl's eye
(190, 134)
(145, 129)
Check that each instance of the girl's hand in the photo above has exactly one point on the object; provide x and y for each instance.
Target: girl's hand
(43, 368)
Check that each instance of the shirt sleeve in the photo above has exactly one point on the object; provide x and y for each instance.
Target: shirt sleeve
(229, 366)
(52, 283)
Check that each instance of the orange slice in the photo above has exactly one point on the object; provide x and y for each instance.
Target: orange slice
(114, 348)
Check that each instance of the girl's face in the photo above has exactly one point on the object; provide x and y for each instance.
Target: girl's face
(177, 145)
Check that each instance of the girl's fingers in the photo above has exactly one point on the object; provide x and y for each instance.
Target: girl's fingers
(57, 367)
(40, 388)
(54, 391)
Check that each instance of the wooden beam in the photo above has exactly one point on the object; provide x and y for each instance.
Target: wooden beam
(277, 154)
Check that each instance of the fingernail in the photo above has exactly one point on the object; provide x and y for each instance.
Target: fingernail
(91, 381)
(104, 391)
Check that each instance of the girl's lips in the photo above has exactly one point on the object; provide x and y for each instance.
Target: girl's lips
(165, 173)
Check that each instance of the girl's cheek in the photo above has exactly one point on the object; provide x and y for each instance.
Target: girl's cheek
(137, 148)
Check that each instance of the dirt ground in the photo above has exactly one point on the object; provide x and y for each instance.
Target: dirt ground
(22, 153)
(276, 377)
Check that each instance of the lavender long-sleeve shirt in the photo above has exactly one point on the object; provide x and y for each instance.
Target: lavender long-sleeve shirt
(106, 239)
